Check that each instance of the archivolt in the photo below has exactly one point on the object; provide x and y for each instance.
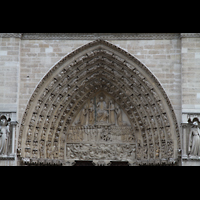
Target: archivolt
(98, 65)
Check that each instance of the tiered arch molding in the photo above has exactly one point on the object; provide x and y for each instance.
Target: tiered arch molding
(98, 66)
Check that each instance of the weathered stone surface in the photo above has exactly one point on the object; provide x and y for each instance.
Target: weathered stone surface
(173, 58)
(190, 74)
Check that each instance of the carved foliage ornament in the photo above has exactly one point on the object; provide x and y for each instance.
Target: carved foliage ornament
(67, 88)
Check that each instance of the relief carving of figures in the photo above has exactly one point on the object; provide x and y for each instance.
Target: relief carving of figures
(101, 130)
(48, 149)
(119, 116)
(112, 112)
(100, 134)
(85, 135)
(100, 151)
(102, 113)
(139, 152)
(4, 135)
(91, 112)
(83, 115)
(105, 135)
(101, 109)
(194, 140)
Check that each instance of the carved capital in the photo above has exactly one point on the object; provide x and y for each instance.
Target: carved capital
(184, 125)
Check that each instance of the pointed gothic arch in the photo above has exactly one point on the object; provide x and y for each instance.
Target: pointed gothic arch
(98, 66)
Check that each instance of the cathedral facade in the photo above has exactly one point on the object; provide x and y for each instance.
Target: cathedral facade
(99, 99)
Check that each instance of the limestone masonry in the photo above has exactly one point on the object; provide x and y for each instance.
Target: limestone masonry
(155, 71)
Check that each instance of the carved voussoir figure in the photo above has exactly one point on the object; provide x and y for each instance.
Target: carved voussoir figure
(119, 116)
(194, 141)
(83, 115)
(112, 112)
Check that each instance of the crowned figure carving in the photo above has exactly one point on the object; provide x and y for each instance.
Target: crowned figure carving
(102, 110)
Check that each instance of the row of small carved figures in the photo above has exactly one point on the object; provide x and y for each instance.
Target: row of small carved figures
(103, 136)
(142, 121)
(158, 117)
(53, 82)
(164, 150)
(85, 151)
(144, 116)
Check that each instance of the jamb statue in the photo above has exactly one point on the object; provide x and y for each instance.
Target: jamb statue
(194, 140)
(4, 135)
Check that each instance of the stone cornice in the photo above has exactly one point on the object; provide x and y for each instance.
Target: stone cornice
(190, 35)
(9, 35)
(92, 36)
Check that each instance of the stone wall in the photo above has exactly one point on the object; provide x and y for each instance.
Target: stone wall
(37, 57)
(190, 51)
(175, 62)
(9, 73)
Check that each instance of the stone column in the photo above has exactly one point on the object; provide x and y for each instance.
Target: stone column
(13, 130)
(184, 127)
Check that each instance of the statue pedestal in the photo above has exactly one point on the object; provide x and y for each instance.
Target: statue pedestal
(191, 161)
(103, 124)
(6, 157)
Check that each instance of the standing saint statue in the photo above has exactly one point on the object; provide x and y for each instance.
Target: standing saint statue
(194, 140)
(112, 112)
(91, 112)
(119, 116)
(83, 115)
(102, 113)
(4, 135)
